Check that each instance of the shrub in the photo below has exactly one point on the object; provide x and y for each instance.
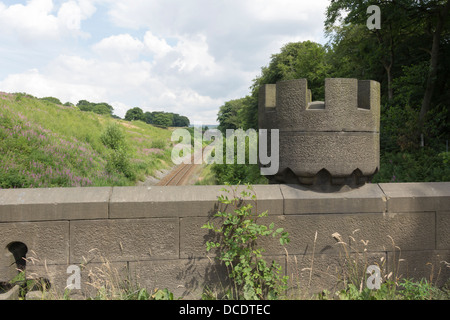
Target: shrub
(158, 144)
(52, 100)
(417, 290)
(253, 277)
(13, 178)
(113, 137)
(117, 160)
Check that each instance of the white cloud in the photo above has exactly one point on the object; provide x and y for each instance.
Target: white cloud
(187, 57)
(119, 47)
(124, 85)
(194, 55)
(41, 85)
(37, 20)
(156, 45)
(71, 14)
(285, 10)
(31, 20)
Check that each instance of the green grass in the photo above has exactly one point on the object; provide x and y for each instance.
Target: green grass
(43, 144)
(206, 177)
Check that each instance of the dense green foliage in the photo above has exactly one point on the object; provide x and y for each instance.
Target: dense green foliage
(99, 108)
(52, 100)
(117, 160)
(409, 56)
(157, 118)
(405, 289)
(166, 119)
(134, 114)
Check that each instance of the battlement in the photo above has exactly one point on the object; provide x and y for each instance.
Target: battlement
(324, 143)
(350, 105)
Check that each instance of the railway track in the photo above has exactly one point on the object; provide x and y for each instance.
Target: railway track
(180, 175)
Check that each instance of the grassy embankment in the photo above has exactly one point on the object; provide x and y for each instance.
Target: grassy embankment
(43, 144)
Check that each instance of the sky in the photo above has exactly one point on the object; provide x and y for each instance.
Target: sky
(188, 57)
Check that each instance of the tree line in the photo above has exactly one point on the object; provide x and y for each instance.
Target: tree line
(157, 118)
(410, 57)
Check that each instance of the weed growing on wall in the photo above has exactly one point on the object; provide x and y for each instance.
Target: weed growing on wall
(252, 276)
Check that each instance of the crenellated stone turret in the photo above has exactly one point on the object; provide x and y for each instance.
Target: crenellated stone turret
(324, 143)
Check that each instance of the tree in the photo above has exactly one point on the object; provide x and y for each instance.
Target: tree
(175, 119)
(135, 114)
(52, 99)
(102, 108)
(184, 121)
(118, 160)
(387, 38)
(409, 28)
(352, 53)
(305, 59)
(148, 117)
(296, 60)
(162, 120)
(99, 108)
(180, 121)
(440, 14)
(83, 104)
(113, 136)
(228, 115)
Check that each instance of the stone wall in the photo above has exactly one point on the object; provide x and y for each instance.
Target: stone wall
(154, 235)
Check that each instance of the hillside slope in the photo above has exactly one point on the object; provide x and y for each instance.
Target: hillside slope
(43, 144)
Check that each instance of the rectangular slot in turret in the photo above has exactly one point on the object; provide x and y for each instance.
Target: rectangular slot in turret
(364, 94)
(270, 95)
(316, 105)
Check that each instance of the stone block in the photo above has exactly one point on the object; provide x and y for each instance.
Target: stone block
(371, 231)
(168, 201)
(312, 274)
(193, 238)
(417, 197)
(124, 239)
(185, 278)
(443, 230)
(111, 279)
(300, 200)
(12, 294)
(54, 274)
(46, 242)
(182, 201)
(114, 277)
(432, 265)
(8, 268)
(48, 204)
